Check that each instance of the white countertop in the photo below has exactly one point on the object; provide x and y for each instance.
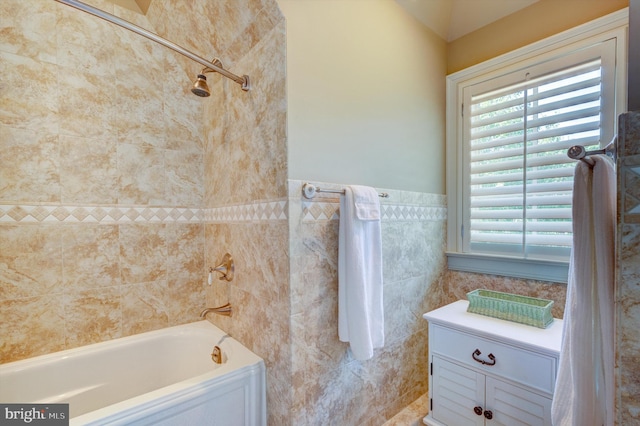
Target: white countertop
(455, 315)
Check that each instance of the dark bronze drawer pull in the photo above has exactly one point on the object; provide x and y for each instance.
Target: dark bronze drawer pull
(478, 410)
(488, 415)
(477, 352)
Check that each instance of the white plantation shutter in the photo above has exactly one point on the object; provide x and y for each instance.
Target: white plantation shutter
(517, 177)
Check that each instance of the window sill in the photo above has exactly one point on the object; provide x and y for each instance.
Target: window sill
(535, 269)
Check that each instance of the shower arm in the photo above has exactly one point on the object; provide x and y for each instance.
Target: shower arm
(242, 81)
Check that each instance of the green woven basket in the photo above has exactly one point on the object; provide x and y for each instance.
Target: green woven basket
(511, 307)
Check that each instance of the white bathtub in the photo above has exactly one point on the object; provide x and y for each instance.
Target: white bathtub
(163, 377)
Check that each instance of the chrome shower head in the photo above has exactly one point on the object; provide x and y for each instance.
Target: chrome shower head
(200, 87)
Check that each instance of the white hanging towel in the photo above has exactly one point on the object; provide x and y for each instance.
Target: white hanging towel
(584, 393)
(360, 310)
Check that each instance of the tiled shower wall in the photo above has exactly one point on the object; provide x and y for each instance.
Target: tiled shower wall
(245, 173)
(101, 182)
(119, 187)
(628, 271)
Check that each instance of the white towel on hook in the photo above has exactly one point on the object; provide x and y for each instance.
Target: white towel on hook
(360, 308)
(584, 393)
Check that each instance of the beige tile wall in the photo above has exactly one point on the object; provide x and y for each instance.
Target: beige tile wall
(101, 177)
(628, 271)
(459, 283)
(245, 172)
(330, 387)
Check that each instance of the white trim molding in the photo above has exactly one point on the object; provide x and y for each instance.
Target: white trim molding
(611, 26)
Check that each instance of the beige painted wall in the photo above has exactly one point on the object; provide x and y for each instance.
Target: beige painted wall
(366, 95)
(536, 22)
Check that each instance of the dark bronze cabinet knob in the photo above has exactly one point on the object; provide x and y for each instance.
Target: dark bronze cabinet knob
(478, 410)
(488, 415)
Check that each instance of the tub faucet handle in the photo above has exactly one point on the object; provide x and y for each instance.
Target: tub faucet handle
(226, 268)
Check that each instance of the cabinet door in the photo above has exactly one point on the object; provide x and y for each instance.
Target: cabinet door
(456, 392)
(514, 406)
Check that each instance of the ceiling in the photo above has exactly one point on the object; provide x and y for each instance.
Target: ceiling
(451, 19)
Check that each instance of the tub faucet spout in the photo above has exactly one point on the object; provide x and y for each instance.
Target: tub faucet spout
(224, 310)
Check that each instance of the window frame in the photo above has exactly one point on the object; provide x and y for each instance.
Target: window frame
(611, 26)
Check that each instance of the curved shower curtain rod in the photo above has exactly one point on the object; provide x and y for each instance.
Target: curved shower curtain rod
(242, 81)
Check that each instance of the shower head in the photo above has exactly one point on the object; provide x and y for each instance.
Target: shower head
(200, 87)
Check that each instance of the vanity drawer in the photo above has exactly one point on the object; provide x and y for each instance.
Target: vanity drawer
(532, 369)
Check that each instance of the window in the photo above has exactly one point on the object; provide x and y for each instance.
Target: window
(512, 180)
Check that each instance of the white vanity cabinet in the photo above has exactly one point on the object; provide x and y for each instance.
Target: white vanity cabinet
(486, 371)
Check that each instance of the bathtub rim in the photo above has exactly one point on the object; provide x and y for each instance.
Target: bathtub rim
(25, 363)
(243, 363)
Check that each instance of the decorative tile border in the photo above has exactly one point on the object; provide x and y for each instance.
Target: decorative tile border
(253, 212)
(262, 211)
(320, 211)
(97, 214)
(399, 206)
(413, 213)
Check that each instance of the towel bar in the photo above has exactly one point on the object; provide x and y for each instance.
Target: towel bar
(309, 191)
